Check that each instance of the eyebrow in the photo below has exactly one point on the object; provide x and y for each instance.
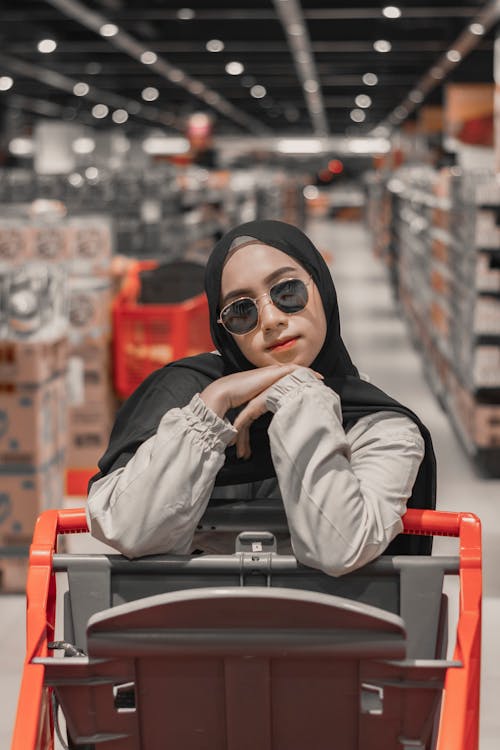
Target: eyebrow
(235, 293)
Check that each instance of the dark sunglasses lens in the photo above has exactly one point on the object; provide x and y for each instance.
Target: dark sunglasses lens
(241, 316)
(289, 296)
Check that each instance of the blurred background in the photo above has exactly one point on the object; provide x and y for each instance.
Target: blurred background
(134, 134)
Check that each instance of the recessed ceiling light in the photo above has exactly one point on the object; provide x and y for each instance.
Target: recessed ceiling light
(196, 87)
(108, 29)
(99, 111)
(363, 101)
(400, 112)
(437, 73)
(176, 75)
(185, 14)
(311, 86)
(150, 94)
(370, 79)
(357, 115)
(477, 29)
(382, 45)
(91, 173)
(258, 91)
(215, 45)
(47, 45)
(6, 83)
(75, 179)
(149, 57)
(391, 11)
(120, 116)
(81, 89)
(234, 68)
(310, 192)
(83, 145)
(454, 55)
(21, 146)
(416, 96)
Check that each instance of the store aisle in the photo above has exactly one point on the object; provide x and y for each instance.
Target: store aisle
(378, 341)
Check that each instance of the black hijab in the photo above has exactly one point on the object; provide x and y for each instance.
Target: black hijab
(175, 384)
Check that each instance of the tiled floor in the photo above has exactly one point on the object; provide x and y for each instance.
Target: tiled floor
(378, 342)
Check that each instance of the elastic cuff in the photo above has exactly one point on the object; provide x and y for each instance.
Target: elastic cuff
(292, 384)
(207, 426)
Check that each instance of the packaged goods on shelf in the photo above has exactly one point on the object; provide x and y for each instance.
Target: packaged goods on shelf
(443, 242)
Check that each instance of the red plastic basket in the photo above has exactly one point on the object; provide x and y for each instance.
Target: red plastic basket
(146, 337)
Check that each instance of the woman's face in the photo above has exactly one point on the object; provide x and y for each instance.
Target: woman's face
(279, 338)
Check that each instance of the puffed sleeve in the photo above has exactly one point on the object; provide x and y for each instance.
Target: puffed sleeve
(154, 503)
(344, 494)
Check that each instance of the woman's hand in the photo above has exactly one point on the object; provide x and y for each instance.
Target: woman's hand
(249, 387)
(241, 387)
(252, 411)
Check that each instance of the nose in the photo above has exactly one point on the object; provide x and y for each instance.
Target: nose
(270, 315)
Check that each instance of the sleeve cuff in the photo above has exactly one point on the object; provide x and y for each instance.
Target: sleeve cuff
(296, 382)
(206, 426)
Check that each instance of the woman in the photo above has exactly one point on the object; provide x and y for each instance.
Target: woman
(278, 411)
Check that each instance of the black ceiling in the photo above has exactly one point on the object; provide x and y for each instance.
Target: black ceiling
(341, 40)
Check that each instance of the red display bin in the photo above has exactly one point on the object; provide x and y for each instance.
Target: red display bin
(146, 337)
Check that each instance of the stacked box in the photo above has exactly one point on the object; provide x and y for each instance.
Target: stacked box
(91, 398)
(33, 435)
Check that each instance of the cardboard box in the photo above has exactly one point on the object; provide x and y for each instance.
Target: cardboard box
(24, 495)
(16, 241)
(89, 307)
(90, 371)
(90, 241)
(32, 362)
(89, 428)
(50, 242)
(31, 423)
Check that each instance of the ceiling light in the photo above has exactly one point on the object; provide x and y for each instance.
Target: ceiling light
(81, 89)
(300, 146)
(47, 45)
(120, 116)
(357, 115)
(310, 192)
(83, 145)
(75, 179)
(416, 96)
(311, 86)
(369, 145)
(477, 29)
(234, 68)
(176, 75)
(148, 57)
(91, 173)
(437, 73)
(370, 79)
(21, 146)
(6, 83)
(100, 111)
(258, 91)
(121, 145)
(108, 29)
(296, 29)
(363, 101)
(185, 14)
(196, 87)
(215, 45)
(454, 55)
(382, 45)
(400, 112)
(391, 11)
(150, 94)
(159, 144)
(292, 114)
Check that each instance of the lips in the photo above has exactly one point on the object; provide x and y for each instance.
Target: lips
(283, 343)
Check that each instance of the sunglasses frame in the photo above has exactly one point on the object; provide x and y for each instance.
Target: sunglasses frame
(256, 299)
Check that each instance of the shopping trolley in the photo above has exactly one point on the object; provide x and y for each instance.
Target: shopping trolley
(251, 650)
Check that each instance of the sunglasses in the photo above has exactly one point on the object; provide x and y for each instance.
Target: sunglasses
(242, 316)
